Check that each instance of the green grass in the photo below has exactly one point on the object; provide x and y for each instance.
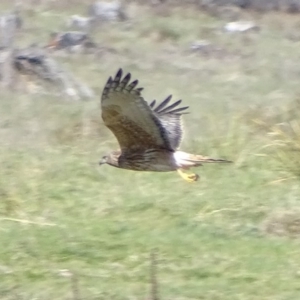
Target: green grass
(62, 214)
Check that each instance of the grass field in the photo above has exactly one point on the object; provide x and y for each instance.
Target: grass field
(73, 230)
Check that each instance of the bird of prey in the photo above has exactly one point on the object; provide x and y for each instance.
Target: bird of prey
(148, 134)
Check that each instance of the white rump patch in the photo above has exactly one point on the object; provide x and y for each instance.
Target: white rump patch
(183, 159)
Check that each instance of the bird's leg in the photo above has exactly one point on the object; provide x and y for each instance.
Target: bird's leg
(188, 177)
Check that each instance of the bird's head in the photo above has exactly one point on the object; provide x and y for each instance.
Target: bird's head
(104, 160)
(110, 159)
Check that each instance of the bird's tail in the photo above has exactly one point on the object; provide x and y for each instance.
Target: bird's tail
(185, 160)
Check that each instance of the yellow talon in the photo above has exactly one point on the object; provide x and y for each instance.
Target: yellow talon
(188, 177)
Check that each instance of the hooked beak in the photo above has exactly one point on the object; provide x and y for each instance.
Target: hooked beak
(102, 162)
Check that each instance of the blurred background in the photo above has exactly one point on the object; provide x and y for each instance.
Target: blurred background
(73, 230)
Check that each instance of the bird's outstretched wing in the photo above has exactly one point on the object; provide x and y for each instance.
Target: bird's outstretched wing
(170, 118)
(129, 116)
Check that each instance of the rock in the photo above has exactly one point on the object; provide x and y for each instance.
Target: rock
(107, 11)
(201, 46)
(70, 40)
(79, 22)
(241, 26)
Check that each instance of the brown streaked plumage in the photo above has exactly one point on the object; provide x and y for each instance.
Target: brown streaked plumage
(148, 134)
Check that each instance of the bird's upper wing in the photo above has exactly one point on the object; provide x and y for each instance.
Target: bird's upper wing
(170, 118)
(129, 116)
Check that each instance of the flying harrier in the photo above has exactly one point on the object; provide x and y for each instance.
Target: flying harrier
(148, 134)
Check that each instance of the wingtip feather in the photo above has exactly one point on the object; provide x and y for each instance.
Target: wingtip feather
(119, 73)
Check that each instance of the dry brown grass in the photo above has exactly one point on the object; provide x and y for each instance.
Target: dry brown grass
(283, 223)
